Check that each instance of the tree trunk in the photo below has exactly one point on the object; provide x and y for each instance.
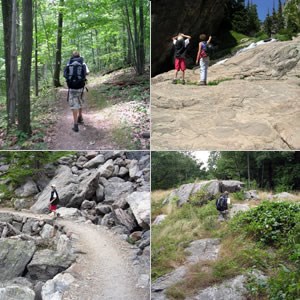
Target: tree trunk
(13, 60)
(142, 37)
(56, 79)
(36, 55)
(248, 169)
(25, 72)
(136, 38)
(6, 13)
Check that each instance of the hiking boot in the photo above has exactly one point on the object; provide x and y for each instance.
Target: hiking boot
(183, 81)
(75, 128)
(80, 120)
(174, 81)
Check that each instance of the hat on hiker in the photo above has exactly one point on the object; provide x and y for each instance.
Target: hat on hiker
(226, 193)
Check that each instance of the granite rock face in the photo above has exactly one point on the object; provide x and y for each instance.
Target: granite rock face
(190, 17)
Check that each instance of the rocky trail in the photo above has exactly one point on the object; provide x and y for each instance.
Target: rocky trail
(253, 103)
(104, 267)
(113, 119)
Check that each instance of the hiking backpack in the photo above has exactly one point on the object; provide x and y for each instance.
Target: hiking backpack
(207, 49)
(75, 73)
(221, 203)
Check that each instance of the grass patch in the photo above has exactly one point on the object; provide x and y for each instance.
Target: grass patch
(218, 81)
(171, 237)
(123, 137)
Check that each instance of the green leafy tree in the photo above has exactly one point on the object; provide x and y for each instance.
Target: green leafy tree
(170, 169)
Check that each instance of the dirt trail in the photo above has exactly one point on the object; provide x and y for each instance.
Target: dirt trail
(104, 268)
(95, 133)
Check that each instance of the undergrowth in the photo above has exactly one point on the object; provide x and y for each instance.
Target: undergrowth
(265, 238)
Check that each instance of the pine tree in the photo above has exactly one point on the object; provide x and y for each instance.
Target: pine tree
(280, 18)
(268, 24)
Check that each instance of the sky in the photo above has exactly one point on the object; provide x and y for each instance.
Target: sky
(202, 156)
(264, 5)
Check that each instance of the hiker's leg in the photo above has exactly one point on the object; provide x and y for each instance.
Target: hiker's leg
(202, 70)
(206, 61)
(75, 115)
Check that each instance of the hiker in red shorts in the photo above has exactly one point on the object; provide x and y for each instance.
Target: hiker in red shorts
(180, 42)
(54, 200)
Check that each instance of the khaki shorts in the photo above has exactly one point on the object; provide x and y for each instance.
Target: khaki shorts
(76, 99)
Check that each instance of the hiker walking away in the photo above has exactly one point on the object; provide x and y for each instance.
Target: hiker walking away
(75, 73)
(203, 57)
(222, 205)
(180, 42)
(54, 200)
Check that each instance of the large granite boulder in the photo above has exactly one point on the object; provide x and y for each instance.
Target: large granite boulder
(116, 188)
(95, 162)
(66, 185)
(27, 189)
(54, 289)
(139, 203)
(190, 17)
(15, 291)
(46, 263)
(14, 257)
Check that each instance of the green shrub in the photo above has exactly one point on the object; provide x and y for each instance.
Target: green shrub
(238, 195)
(269, 223)
(285, 285)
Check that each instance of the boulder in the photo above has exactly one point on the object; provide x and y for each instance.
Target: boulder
(120, 203)
(54, 289)
(100, 193)
(103, 209)
(136, 235)
(181, 195)
(86, 189)
(114, 190)
(204, 249)
(168, 20)
(107, 169)
(16, 292)
(159, 219)
(64, 245)
(284, 195)
(133, 169)
(251, 195)
(125, 218)
(27, 189)
(90, 154)
(228, 290)
(139, 203)
(14, 257)
(95, 162)
(66, 185)
(65, 212)
(231, 186)
(20, 204)
(236, 208)
(109, 220)
(86, 204)
(112, 154)
(47, 232)
(120, 162)
(46, 263)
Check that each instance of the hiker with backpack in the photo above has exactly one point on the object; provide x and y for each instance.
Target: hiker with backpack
(54, 200)
(180, 42)
(75, 73)
(203, 57)
(222, 205)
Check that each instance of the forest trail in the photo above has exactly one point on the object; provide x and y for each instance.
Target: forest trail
(95, 133)
(115, 113)
(104, 268)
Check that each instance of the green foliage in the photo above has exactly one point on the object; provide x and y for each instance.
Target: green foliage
(170, 169)
(269, 223)
(239, 196)
(285, 285)
(25, 164)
